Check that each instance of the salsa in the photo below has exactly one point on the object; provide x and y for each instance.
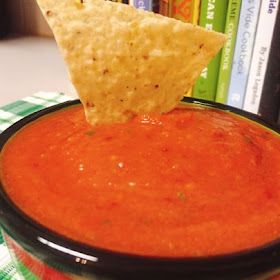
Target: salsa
(193, 182)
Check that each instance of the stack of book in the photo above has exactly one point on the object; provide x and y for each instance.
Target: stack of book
(246, 73)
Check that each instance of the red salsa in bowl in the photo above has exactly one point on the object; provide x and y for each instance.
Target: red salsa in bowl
(196, 182)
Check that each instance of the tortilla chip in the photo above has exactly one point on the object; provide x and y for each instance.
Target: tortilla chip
(124, 61)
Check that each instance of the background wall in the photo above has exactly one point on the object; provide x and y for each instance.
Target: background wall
(30, 60)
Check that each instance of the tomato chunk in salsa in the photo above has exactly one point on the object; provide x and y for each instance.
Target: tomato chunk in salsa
(193, 182)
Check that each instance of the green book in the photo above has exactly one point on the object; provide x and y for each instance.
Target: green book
(213, 17)
(231, 27)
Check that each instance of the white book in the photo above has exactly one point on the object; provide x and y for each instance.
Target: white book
(260, 57)
(247, 26)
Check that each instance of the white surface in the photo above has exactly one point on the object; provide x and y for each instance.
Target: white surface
(31, 64)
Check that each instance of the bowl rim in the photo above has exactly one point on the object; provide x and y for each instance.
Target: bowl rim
(81, 258)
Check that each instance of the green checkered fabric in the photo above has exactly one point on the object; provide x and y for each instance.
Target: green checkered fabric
(9, 114)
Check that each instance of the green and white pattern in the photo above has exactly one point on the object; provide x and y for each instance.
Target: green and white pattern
(9, 114)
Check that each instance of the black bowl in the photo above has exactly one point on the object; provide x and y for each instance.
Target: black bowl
(52, 256)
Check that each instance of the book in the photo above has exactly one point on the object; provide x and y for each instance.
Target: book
(155, 6)
(187, 11)
(184, 10)
(194, 20)
(212, 17)
(270, 98)
(278, 121)
(249, 15)
(181, 10)
(164, 7)
(195, 11)
(261, 51)
(232, 20)
(146, 5)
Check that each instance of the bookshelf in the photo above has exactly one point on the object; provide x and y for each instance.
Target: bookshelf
(245, 74)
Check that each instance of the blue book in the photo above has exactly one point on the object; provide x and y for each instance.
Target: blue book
(243, 52)
(146, 5)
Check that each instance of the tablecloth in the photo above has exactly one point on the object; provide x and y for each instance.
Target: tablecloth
(9, 114)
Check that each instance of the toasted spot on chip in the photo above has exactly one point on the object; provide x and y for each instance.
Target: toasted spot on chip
(116, 52)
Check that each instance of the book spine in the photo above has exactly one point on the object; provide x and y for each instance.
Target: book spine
(170, 7)
(155, 6)
(146, 5)
(243, 52)
(212, 17)
(195, 11)
(164, 7)
(261, 51)
(181, 10)
(270, 99)
(227, 51)
(194, 20)
(278, 120)
(187, 11)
